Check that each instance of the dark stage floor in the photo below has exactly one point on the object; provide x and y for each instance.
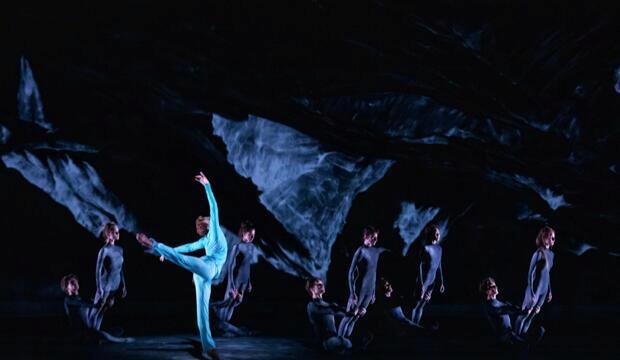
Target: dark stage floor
(186, 346)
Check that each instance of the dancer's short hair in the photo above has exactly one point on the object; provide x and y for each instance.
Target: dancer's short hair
(485, 285)
(544, 235)
(310, 284)
(203, 220)
(245, 226)
(370, 230)
(65, 281)
(107, 229)
(430, 229)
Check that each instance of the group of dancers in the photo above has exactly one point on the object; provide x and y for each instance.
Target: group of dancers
(362, 278)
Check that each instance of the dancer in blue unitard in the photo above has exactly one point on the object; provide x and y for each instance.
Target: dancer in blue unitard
(430, 262)
(110, 278)
(205, 268)
(538, 288)
(322, 316)
(239, 263)
(362, 280)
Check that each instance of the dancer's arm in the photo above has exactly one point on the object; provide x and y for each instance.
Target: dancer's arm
(99, 274)
(123, 284)
(352, 271)
(532, 279)
(442, 288)
(549, 295)
(230, 286)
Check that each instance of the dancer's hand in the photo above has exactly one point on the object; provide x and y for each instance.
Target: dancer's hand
(144, 240)
(362, 311)
(162, 258)
(442, 289)
(124, 292)
(549, 297)
(537, 309)
(528, 310)
(201, 178)
(427, 295)
(352, 303)
(233, 293)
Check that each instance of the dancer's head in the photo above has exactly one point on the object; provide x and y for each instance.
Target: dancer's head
(386, 286)
(432, 234)
(70, 285)
(202, 225)
(315, 288)
(110, 233)
(370, 235)
(545, 238)
(488, 288)
(247, 231)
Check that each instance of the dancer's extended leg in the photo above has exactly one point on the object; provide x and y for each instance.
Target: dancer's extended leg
(200, 266)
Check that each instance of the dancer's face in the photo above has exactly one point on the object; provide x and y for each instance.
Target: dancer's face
(492, 291)
(113, 235)
(435, 236)
(388, 289)
(550, 241)
(248, 236)
(318, 289)
(202, 227)
(370, 240)
(72, 287)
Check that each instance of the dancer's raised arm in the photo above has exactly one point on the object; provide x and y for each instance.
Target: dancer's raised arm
(213, 210)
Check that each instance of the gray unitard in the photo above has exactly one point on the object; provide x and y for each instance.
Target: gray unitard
(322, 317)
(362, 279)
(241, 258)
(81, 319)
(538, 287)
(110, 279)
(430, 262)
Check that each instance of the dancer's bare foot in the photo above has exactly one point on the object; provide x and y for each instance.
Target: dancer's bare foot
(144, 240)
(212, 354)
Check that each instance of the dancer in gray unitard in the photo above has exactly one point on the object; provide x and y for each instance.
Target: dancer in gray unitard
(241, 258)
(430, 262)
(362, 279)
(80, 313)
(322, 317)
(538, 288)
(498, 313)
(109, 273)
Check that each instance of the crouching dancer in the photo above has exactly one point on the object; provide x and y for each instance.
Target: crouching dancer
(498, 313)
(82, 314)
(322, 317)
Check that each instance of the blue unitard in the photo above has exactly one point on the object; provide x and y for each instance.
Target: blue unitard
(430, 262)
(364, 264)
(538, 287)
(205, 268)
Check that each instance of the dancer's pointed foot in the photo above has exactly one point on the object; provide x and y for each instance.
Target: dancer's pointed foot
(144, 240)
(212, 354)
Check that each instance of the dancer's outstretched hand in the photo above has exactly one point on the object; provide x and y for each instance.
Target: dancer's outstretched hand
(162, 258)
(201, 178)
(549, 297)
(144, 240)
